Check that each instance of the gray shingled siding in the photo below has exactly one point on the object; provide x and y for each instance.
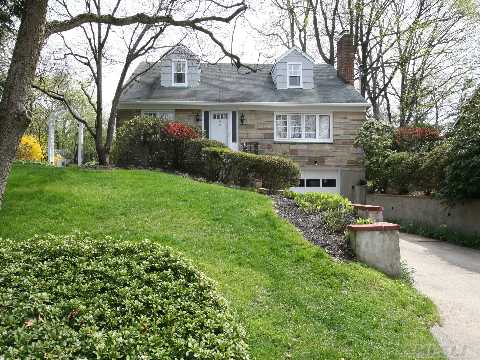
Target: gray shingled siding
(280, 71)
(193, 67)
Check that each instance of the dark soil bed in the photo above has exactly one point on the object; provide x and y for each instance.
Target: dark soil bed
(313, 228)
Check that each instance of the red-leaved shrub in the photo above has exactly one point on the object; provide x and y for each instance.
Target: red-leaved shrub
(175, 136)
(412, 138)
(179, 131)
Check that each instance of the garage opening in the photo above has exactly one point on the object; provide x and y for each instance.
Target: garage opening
(318, 181)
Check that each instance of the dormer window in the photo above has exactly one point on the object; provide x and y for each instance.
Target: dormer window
(294, 75)
(179, 70)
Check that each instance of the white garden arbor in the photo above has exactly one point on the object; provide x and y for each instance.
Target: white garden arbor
(51, 136)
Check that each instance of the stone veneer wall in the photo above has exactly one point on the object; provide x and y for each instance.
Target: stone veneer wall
(340, 154)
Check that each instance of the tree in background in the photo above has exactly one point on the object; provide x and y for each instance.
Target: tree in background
(92, 52)
(34, 30)
(42, 107)
(411, 55)
(462, 180)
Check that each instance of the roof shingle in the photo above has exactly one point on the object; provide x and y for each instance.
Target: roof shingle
(223, 83)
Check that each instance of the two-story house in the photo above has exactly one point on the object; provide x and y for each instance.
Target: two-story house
(294, 107)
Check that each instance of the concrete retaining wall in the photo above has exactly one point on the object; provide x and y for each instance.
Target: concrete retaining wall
(377, 245)
(464, 217)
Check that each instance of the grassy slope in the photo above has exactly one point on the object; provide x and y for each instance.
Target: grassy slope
(294, 301)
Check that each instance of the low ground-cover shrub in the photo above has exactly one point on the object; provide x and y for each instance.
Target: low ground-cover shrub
(336, 220)
(75, 297)
(337, 212)
(317, 201)
(363, 221)
(439, 233)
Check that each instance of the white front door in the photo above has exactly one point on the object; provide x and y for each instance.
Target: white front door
(313, 180)
(219, 127)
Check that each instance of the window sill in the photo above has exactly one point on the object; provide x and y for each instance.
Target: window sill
(302, 141)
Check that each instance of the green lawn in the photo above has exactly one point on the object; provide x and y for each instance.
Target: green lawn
(294, 300)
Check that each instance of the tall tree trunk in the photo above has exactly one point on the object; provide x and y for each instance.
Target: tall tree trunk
(102, 156)
(14, 119)
(112, 119)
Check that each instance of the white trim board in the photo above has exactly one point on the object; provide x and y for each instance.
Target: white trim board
(289, 51)
(284, 106)
(303, 140)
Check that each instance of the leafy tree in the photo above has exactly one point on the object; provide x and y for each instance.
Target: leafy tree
(66, 126)
(377, 141)
(462, 180)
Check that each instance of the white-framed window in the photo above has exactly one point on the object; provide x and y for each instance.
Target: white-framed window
(303, 127)
(294, 75)
(317, 182)
(220, 116)
(166, 115)
(179, 72)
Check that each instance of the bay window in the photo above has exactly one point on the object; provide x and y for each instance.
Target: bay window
(303, 127)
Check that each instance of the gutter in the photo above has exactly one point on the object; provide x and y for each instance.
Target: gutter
(186, 104)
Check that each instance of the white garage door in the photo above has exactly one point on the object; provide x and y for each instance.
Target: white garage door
(319, 181)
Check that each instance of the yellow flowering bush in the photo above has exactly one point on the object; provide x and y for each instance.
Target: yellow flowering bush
(29, 149)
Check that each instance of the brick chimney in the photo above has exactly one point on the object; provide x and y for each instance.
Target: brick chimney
(345, 58)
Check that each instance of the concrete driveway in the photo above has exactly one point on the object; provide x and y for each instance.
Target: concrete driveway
(450, 276)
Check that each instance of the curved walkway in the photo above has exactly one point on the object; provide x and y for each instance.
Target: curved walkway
(450, 276)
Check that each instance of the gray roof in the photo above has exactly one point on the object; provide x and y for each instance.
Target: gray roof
(223, 83)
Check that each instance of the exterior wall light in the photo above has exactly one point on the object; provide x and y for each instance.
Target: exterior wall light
(242, 118)
(197, 117)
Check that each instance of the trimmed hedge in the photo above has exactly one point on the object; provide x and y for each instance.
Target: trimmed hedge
(194, 160)
(143, 142)
(239, 168)
(74, 297)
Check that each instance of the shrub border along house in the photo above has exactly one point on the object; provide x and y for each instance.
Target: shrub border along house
(76, 297)
(143, 142)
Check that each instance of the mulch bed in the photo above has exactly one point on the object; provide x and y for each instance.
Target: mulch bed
(313, 228)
